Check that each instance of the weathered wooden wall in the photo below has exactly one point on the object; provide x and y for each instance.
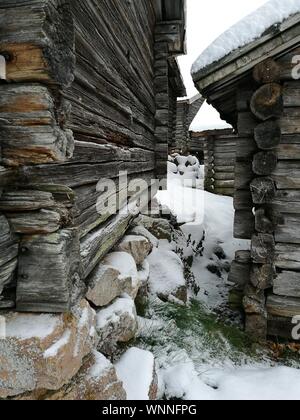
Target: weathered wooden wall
(187, 110)
(85, 96)
(219, 160)
(267, 176)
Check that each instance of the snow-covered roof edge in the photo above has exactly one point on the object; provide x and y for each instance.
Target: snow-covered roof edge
(246, 31)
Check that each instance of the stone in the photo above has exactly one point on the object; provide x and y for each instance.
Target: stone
(96, 381)
(126, 265)
(142, 231)
(43, 351)
(106, 284)
(160, 228)
(136, 369)
(137, 246)
(116, 324)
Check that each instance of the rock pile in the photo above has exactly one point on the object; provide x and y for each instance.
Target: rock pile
(64, 356)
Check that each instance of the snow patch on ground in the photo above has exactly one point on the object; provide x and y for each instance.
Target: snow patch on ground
(198, 356)
(247, 30)
(135, 369)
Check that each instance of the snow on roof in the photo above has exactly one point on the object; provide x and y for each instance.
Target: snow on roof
(247, 30)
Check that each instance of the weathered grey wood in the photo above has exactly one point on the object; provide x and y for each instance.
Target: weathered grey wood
(244, 224)
(263, 190)
(239, 274)
(288, 232)
(36, 222)
(268, 135)
(264, 163)
(242, 200)
(287, 201)
(243, 175)
(287, 256)
(262, 276)
(283, 306)
(287, 283)
(267, 102)
(98, 243)
(243, 257)
(26, 200)
(49, 272)
(279, 327)
(267, 71)
(39, 39)
(287, 175)
(263, 248)
(265, 220)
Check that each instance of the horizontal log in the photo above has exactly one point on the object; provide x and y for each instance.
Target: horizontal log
(245, 149)
(243, 200)
(283, 306)
(280, 327)
(98, 243)
(287, 175)
(239, 274)
(244, 224)
(263, 190)
(49, 272)
(288, 256)
(268, 71)
(34, 145)
(36, 222)
(264, 163)
(268, 135)
(288, 232)
(267, 102)
(287, 283)
(39, 40)
(262, 276)
(26, 200)
(262, 248)
(243, 175)
(287, 201)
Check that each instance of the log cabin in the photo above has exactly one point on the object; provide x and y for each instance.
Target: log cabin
(187, 110)
(219, 148)
(88, 90)
(256, 89)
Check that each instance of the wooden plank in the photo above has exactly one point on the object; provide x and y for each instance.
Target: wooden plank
(49, 272)
(287, 283)
(39, 39)
(287, 256)
(283, 306)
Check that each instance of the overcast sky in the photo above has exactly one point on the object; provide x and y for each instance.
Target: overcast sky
(206, 20)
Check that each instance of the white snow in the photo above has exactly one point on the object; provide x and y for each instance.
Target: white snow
(63, 341)
(24, 327)
(125, 264)
(259, 383)
(208, 118)
(166, 271)
(113, 313)
(101, 366)
(142, 231)
(144, 272)
(196, 361)
(247, 30)
(135, 369)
